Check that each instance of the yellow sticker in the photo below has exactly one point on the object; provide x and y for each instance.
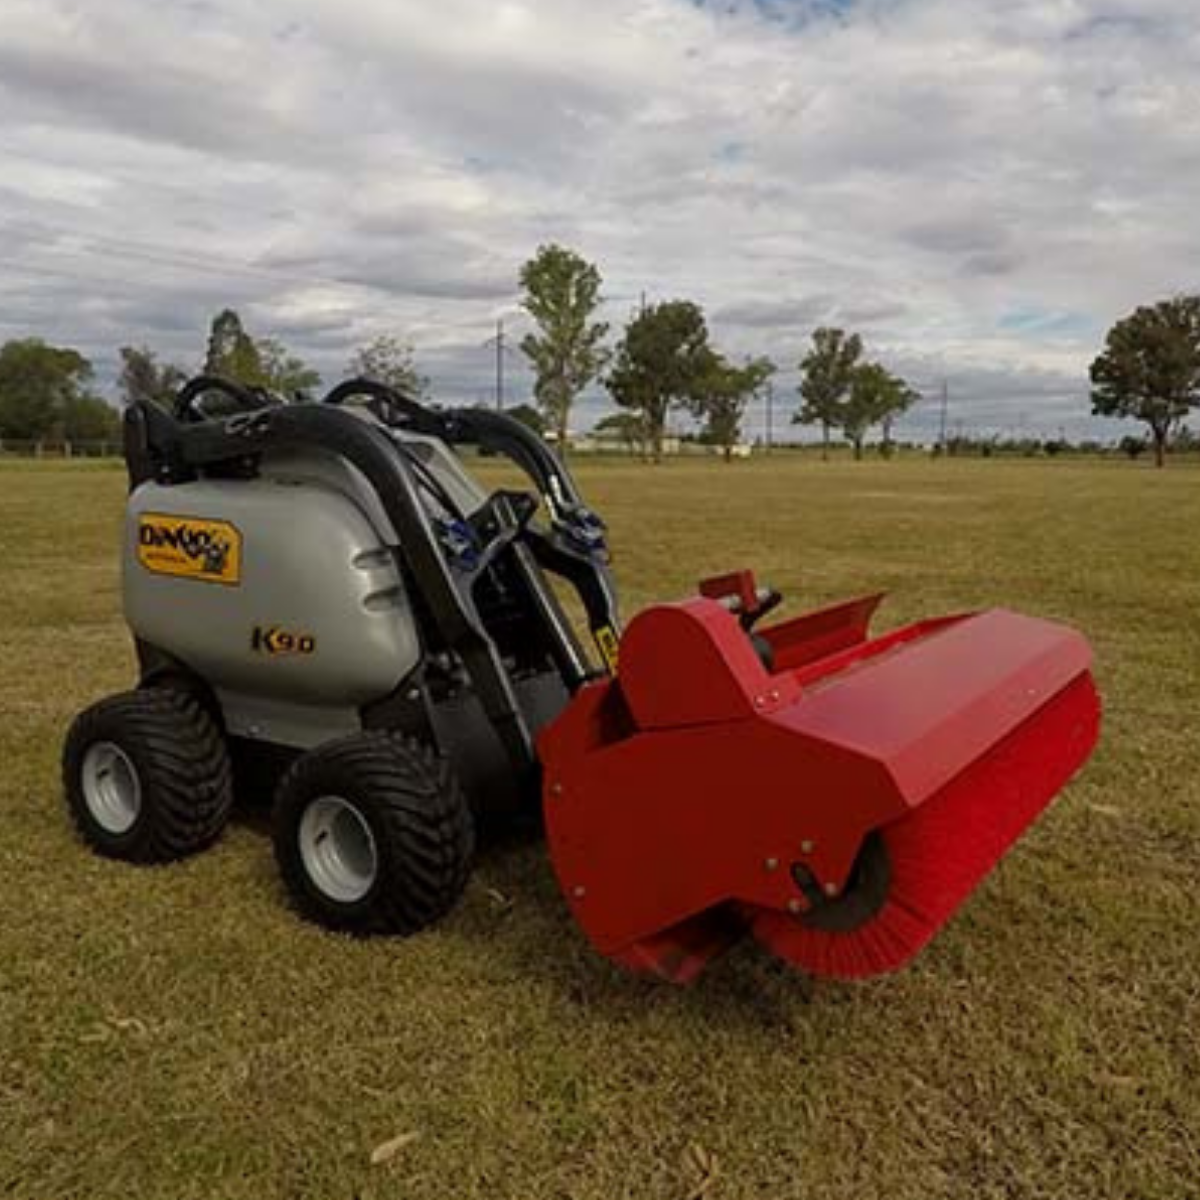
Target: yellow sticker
(606, 642)
(190, 548)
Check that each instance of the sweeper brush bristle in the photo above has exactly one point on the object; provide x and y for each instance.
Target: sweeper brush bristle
(942, 850)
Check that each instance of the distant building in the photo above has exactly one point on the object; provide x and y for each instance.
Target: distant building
(606, 441)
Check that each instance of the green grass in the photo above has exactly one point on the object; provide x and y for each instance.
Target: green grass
(177, 1033)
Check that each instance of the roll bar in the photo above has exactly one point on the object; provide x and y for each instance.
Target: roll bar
(474, 426)
(575, 546)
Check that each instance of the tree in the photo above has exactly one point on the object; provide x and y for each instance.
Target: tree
(143, 378)
(562, 293)
(231, 350)
(389, 361)
(876, 397)
(903, 399)
(660, 363)
(265, 363)
(90, 419)
(826, 373)
(37, 384)
(722, 395)
(1186, 441)
(1132, 447)
(283, 372)
(529, 417)
(865, 403)
(630, 427)
(1150, 369)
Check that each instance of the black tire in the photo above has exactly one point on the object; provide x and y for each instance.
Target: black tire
(422, 837)
(177, 758)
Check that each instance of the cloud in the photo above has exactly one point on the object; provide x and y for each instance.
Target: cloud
(782, 314)
(980, 189)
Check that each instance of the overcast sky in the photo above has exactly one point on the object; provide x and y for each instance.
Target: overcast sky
(980, 188)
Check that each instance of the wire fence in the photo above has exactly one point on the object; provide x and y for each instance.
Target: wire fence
(48, 448)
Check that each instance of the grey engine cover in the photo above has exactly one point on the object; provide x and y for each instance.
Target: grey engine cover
(279, 591)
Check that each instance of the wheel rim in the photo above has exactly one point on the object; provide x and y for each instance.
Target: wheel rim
(338, 849)
(112, 790)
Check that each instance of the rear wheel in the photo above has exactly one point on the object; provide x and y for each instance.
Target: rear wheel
(147, 776)
(373, 835)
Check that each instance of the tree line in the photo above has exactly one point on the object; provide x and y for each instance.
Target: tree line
(1149, 370)
(47, 393)
(664, 361)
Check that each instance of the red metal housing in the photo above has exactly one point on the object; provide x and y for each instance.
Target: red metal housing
(702, 793)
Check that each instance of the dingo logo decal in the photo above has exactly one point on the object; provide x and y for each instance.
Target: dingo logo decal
(190, 548)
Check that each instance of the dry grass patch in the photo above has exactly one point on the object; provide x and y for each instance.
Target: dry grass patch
(177, 1033)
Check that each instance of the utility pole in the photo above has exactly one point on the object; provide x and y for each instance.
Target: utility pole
(770, 396)
(500, 363)
(945, 411)
(498, 342)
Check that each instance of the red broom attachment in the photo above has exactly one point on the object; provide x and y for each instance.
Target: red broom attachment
(838, 797)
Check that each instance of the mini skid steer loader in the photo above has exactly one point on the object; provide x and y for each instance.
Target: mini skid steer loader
(323, 591)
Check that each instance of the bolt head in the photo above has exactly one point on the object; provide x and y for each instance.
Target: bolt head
(831, 889)
(807, 846)
(556, 789)
(770, 864)
(795, 907)
(579, 891)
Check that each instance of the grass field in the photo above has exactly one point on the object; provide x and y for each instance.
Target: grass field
(176, 1033)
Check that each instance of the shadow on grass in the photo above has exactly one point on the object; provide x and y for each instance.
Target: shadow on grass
(514, 922)
(520, 922)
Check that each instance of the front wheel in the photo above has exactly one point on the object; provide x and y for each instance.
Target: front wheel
(373, 835)
(147, 776)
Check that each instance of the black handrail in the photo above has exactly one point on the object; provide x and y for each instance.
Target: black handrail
(474, 426)
(247, 398)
